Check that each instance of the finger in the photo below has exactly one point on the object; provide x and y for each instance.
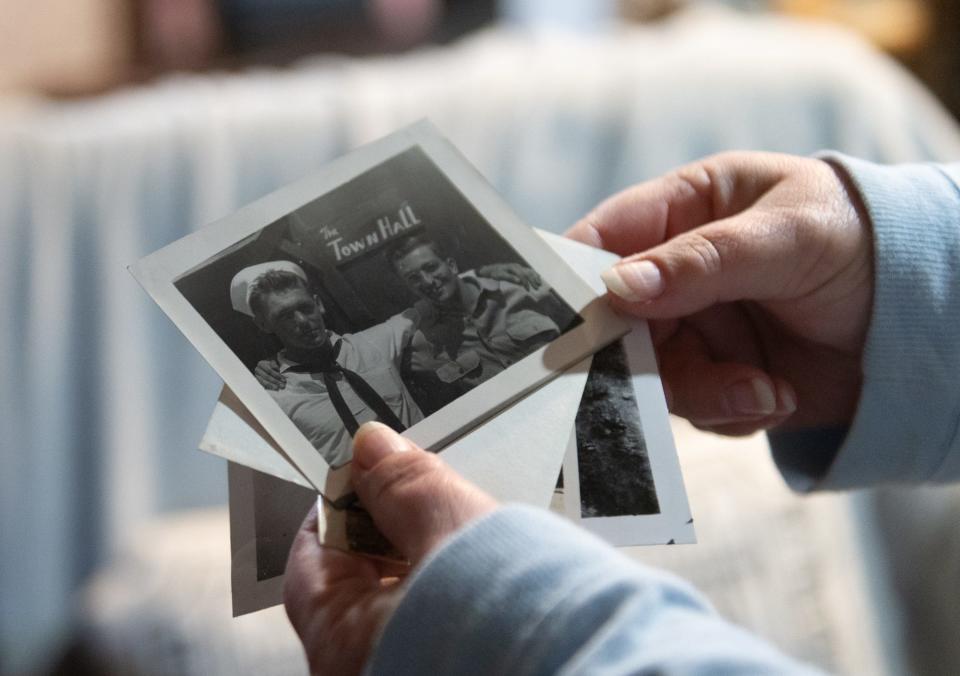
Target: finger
(752, 256)
(710, 393)
(268, 379)
(311, 567)
(514, 278)
(648, 214)
(741, 428)
(335, 601)
(277, 374)
(661, 330)
(640, 217)
(527, 278)
(415, 499)
(389, 569)
(745, 428)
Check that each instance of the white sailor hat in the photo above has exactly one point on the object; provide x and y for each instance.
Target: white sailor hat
(243, 281)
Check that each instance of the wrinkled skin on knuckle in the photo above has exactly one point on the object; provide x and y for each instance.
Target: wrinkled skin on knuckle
(739, 178)
(704, 255)
(699, 178)
(713, 183)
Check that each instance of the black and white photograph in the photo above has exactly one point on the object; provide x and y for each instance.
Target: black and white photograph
(612, 461)
(386, 299)
(405, 293)
(621, 478)
(265, 514)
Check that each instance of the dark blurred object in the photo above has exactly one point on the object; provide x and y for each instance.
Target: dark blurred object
(80, 47)
(938, 64)
(176, 34)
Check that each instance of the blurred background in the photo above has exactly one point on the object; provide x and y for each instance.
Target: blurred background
(125, 124)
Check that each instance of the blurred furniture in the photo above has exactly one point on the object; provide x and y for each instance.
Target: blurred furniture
(103, 401)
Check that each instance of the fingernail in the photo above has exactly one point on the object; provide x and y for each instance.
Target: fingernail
(788, 400)
(375, 441)
(751, 397)
(634, 282)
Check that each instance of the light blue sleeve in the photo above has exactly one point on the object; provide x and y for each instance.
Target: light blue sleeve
(907, 425)
(523, 592)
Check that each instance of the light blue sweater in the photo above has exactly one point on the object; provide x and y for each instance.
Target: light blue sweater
(523, 592)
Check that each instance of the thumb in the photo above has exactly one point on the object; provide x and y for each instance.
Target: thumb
(415, 499)
(745, 257)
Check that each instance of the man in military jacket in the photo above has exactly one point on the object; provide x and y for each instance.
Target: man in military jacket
(471, 328)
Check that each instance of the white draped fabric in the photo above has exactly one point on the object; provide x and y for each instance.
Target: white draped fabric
(103, 401)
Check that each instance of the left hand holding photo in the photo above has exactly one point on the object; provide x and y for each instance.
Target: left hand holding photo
(339, 602)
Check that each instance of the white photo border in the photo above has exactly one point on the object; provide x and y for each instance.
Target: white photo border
(674, 521)
(248, 593)
(673, 524)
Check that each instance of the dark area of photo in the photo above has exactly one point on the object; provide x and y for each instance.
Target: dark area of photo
(615, 476)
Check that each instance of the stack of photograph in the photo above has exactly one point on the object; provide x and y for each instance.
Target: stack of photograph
(396, 286)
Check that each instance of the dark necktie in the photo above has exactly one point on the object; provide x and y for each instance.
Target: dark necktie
(329, 370)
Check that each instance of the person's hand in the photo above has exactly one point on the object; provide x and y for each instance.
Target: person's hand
(756, 271)
(339, 602)
(268, 374)
(514, 273)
